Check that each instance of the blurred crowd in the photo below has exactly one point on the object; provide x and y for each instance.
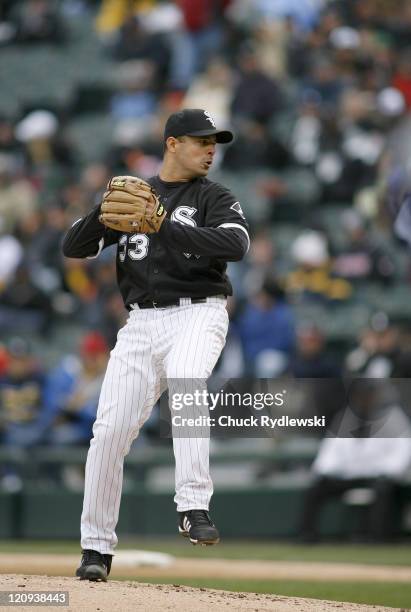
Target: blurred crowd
(318, 94)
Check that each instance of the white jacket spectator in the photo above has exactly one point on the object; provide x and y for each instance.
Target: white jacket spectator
(382, 448)
(11, 254)
(363, 457)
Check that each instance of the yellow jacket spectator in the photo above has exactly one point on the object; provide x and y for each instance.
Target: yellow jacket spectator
(113, 13)
(312, 278)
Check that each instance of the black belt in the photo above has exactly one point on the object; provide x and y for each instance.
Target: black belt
(167, 304)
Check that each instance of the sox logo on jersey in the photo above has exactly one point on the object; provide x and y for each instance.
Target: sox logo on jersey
(184, 215)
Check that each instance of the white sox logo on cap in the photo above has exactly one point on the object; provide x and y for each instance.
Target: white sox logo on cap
(210, 119)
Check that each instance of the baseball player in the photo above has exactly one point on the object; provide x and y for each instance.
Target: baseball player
(174, 235)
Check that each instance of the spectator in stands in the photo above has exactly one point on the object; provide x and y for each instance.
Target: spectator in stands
(40, 235)
(132, 153)
(113, 314)
(255, 149)
(396, 201)
(260, 263)
(307, 129)
(312, 280)
(11, 255)
(164, 32)
(266, 331)
(378, 352)
(7, 28)
(322, 387)
(305, 13)
(135, 42)
(91, 186)
(38, 21)
(402, 77)
(205, 32)
(362, 143)
(231, 363)
(362, 258)
(368, 447)
(311, 358)
(25, 305)
(73, 390)
(270, 38)
(21, 396)
(103, 311)
(112, 14)
(49, 160)
(338, 140)
(4, 363)
(18, 198)
(255, 96)
(324, 81)
(214, 85)
(24, 419)
(8, 143)
(135, 98)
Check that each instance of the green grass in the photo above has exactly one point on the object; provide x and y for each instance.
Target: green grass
(372, 593)
(275, 551)
(396, 595)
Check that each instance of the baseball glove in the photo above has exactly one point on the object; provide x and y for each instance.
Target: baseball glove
(131, 205)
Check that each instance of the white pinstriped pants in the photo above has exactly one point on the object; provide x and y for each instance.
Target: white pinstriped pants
(178, 342)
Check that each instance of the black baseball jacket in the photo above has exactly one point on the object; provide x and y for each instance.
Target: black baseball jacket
(204, 228)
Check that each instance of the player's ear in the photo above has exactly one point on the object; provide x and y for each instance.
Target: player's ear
(170, 144)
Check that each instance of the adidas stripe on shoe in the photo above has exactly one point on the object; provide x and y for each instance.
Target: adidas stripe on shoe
(198, 527)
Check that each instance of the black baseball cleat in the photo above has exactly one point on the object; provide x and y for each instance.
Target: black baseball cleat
(94, 566)
(197, 525)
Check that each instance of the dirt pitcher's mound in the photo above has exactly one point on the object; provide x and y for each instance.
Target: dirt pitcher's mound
(87, 596)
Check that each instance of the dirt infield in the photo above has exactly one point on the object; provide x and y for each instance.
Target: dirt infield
(127, 596)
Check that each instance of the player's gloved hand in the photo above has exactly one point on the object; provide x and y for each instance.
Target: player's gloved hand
(130, 204)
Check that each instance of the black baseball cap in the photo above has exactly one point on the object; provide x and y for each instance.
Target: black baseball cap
(195, 122)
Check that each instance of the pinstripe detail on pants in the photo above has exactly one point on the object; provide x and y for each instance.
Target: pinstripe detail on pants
(182, 342)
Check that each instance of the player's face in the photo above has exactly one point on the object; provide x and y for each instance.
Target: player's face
(194, 154)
